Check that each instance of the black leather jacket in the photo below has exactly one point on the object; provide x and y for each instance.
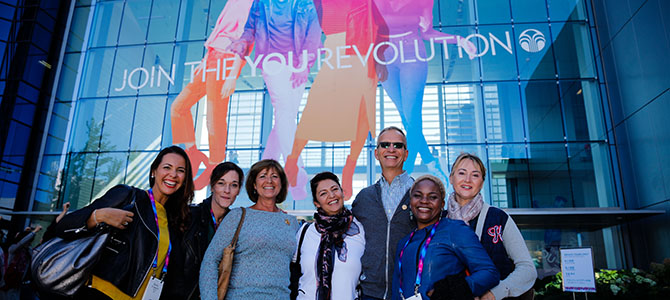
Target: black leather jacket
(129, 254)
(183, 282)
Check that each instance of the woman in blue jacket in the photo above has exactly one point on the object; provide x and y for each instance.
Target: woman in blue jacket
(431, 262)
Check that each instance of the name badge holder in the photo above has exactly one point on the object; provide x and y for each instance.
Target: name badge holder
(422, 256)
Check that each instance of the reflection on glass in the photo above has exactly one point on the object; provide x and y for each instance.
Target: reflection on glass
(97, 82)
(163, 24)
(135, 22)
(106, 24)
(510, 181)
(493, 11)
(567, 10)
(582, 110)
(572, 47)
(543, 109)
(79, 179)
(117, 125)
(148, 123)
(529, 10)
(88, 125)
(463, 111)
(503, 113)
(549, 174)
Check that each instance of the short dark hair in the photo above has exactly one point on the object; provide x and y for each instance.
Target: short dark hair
(404, 137)
(256, 169)
(314, 182)
(222, 169)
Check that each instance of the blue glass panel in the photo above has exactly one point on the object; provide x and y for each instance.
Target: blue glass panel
(118, 121)
(493, 11)
(535, 54)
(497, 44)
(503, 112)
(564, 10)
(456, 12)
(106, 24)
(7, 12)
(158, 63)
(543, 111)
(550, 179)
(78, 182)
(193, 20)
(54, 145)
(8, 194)
(68, 77)
(17, 139)
(508, 175)
(109, 172)
(28, 92)
(163, 24)
(11, 172)
(591, 175)
(128, 75)
(88, 125)
(75, 40)
(463, 113)
(148, 125)
(135, 22)
(97, 72)
(41, 37)
(24, 112)
(582, 110)
(49, 172)
(572, 47)
(529, 10)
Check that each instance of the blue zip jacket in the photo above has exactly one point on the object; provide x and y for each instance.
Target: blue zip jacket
(453, 249)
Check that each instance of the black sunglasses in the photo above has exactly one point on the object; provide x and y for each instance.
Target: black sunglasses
(386, 145)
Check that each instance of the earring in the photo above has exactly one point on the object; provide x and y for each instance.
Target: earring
(411, 215)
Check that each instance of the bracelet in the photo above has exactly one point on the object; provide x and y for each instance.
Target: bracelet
(94, 218)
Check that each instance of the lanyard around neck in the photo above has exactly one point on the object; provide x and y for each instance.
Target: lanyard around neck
(167, 255)
(216, 225)
(422, 256)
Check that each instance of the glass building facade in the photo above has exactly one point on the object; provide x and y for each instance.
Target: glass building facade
(531, 103)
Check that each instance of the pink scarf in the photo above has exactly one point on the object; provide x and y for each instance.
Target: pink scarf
(466, 212)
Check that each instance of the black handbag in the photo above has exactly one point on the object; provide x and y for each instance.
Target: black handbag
(296, 271)
(62, 267)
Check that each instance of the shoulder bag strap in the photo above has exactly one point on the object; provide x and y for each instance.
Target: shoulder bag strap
(233, 243)
(302, 238)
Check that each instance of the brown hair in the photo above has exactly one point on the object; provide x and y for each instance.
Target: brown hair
(222, 169)
(474, 158)
(256, 169)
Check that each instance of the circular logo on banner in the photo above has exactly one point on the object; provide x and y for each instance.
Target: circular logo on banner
(532, 40)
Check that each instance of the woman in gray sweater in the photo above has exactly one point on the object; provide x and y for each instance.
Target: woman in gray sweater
(265, 245)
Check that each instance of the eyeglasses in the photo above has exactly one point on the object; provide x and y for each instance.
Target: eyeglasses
(386, 145)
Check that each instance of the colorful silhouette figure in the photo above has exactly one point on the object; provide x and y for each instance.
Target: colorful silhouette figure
(410, 23)
(215, 77)
(341, 105)
(287, 35)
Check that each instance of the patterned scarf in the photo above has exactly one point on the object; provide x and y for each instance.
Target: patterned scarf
(466, 212)
(332, 230)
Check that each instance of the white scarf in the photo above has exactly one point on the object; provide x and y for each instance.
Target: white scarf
(466, 212)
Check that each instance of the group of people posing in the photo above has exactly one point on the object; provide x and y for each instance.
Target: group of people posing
(403, 238)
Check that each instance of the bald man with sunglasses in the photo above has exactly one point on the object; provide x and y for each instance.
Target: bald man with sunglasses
(383, 209)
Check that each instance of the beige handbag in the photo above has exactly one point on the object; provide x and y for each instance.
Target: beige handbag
(226, 265)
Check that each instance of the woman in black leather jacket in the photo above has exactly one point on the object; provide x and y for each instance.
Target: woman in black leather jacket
(144, 222)
(225, 183)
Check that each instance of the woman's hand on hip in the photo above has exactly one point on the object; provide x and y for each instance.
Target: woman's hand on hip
(114, 217)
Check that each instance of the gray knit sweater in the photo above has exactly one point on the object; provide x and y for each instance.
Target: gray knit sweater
(261, 264)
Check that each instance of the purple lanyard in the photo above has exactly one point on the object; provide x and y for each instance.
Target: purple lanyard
(422, 256)
(216, 226)
(167, 256)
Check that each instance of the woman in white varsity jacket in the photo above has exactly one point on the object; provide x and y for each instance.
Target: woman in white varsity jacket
(495, 228)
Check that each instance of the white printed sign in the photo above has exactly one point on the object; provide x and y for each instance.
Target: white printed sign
(577, 268)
